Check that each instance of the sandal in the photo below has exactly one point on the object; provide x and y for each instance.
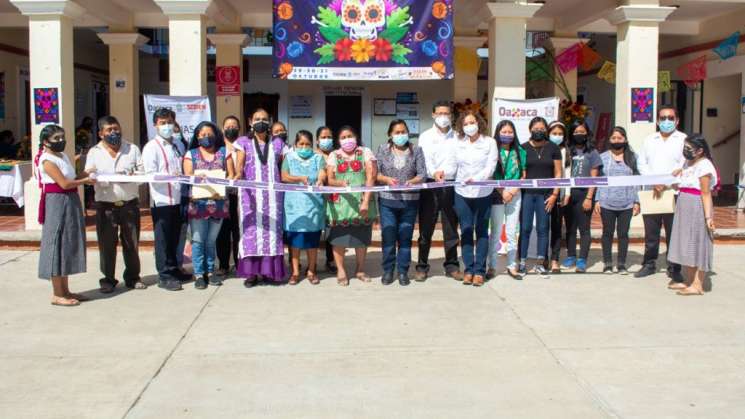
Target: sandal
(107, 287)
(65, 302)
(362, 277)
(294, 279)
(312, 278)
(688, 291)
(80, 297)
(677, 286)
(344, 282)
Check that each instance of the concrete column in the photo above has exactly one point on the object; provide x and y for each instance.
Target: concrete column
(124, 80)
(561, 44)
(187, 50)
(507, 32)
(636, 61)
(466, 80)
(229, 53)
(51, 66)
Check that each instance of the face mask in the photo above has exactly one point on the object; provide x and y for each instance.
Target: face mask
(667, 126)
(57, 146)
(165, 131)
(400, 139)
(348, 144)
(538, 136)
(557, 139)
(506, 139)
(178, 136)
(617, 146)
(470, 130)
(304, 153)
(115, 138)
(689, 154)
(580, 139)
(442, 121)
(326, 144)
(260, 127)
(282, 136)
(231, 133)
(207, 141)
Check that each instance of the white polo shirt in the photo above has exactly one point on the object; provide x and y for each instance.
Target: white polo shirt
(475, 161)
(164, 158)
(127, 161)
(439, 152)
(661, 156)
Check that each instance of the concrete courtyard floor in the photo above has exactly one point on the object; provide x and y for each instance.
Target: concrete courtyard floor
(573, 346)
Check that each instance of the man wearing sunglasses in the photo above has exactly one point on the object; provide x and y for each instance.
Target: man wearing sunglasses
(661, 153)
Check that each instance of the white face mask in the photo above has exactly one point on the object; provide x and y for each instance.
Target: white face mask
(471, 129)
(165, 131)
(442, 121)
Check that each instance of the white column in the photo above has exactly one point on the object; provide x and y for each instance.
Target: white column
(636, 61)
(466, 80)
(561, 44)
(51, 66)
(507, 32)
(187, 49)
(124, 80)
(229, 53)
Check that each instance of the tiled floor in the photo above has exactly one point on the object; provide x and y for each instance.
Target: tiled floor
(11, 219)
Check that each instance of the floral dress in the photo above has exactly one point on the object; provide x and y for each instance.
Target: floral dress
(343, 209)
(208, 208)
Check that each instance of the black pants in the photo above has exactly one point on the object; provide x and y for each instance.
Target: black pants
(653, 224)
(557, 220)
(617, 221)
(166, 229)
(578, 220)
(114, 223)
(434, 202)
(230, 235)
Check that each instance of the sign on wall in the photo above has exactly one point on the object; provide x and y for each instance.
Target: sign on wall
(46, 105)
(520, 112)
(363, 39)
(301, 107)
(642, 104)
(228, 80)
(190, 111)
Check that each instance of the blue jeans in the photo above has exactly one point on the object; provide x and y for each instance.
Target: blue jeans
(473, 216)
(397, 224)
(203, 236)
(534, 205)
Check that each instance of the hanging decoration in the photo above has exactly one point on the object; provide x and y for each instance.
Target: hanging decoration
(693, 71)
(664, 83)
(588, 58)
(608, 72)
(728, 48)
(538, 69)
(642, 104)
(568, 60)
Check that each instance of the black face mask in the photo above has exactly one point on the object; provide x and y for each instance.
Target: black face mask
(283, 137)
(689, 155)
(261, 127)
(618, 146)
(579, 139)
(538, 136)
(207, 141)
(231, 133)
(57, 146)
(114, 139)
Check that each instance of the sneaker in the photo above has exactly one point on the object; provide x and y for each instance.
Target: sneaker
(215, 280)
(541, 270)
(491, 273)
(522, 268)
(608, 270)
(622, 270)
(170, 284)
(201, 282)
(387, 278)
(581, 266)
(646, 270)
(569, 262)
(403, 279)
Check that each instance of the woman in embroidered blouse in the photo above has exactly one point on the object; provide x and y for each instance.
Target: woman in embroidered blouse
(206, 152)
(325, 145)
(399, 163)
(304, 212)
(351, 215)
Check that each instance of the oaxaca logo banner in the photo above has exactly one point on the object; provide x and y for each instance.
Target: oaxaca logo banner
(190, 111)
(363, 39)
(520, 112)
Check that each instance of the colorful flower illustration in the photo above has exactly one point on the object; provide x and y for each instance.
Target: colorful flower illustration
(285, 11)
(356, 165)
(439, 10)
(343, 49)
(295, 49)
(284, 70)
(383, 49)
(342, 167)
(362, 51)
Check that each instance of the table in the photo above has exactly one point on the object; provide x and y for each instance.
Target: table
(11, 181)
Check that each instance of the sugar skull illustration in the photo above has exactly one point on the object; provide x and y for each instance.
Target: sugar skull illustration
(362, 18)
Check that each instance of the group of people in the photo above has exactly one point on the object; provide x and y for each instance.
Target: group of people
(255, 226)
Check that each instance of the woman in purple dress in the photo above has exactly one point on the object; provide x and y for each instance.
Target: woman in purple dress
(261, 249)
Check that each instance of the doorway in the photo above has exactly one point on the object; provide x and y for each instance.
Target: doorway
(344, 110)
(268, 102)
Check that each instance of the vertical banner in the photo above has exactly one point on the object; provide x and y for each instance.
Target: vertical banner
(642, 104)
(603, 130)
(363, 39)
(520, 112)
(190, 111)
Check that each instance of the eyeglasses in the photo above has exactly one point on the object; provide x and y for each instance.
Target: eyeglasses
(667, 118)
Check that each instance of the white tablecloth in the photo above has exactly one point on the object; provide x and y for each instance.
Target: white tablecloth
(11, 182)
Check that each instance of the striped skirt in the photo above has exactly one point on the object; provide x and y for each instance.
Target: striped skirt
(690, 242)
(62, 237)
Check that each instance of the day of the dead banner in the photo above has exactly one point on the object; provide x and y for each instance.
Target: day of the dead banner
(363, 39)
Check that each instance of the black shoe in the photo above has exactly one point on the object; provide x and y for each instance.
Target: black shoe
(250, 282)
(608, 269)
(517, 276)
(387, 278)
(646, 270)
(201, 282)
(622, 270)
(107, 285)
(170, 285)
(215, 280)
(331, 267)
(675, 276)
(403, 279)
(182, 276)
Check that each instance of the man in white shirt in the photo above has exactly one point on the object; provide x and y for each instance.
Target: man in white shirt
(661, 154)
(439, 147)
(161, 155)
(117, 204)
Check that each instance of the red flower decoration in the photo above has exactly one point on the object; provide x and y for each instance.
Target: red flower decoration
(356, 165)
(383, 49)
(342, 167)
(345, 223)
(356, 221)
(334, 197)
(343, 49)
